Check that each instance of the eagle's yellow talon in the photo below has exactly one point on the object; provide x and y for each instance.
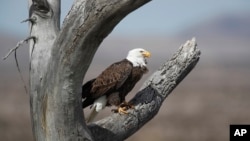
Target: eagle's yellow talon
(122, 110)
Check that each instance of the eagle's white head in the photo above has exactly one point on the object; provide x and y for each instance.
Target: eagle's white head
(138, 57)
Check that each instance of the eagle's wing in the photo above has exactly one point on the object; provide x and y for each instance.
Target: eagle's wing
(86, 88)
(111, 79)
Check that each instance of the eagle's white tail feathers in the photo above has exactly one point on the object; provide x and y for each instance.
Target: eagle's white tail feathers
(98, 105)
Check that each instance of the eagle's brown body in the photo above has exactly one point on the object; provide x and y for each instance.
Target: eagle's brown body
(115, 82)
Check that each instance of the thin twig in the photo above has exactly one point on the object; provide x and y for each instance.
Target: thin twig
(16, 60)
(32, 20)
(20, 73)
(17, 46)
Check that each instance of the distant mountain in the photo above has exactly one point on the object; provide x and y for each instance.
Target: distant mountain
(225, 40)
(235, 25)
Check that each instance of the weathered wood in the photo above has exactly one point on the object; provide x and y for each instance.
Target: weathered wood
(59, 60)
(44, 27)
(150, 98)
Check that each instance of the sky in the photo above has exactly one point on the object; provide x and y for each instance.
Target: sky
(157, 17)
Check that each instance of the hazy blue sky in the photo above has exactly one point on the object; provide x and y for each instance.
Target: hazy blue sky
(156, 17)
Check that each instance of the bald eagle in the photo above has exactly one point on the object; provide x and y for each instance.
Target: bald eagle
(114, 83)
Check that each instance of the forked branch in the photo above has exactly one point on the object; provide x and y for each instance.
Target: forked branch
(61, 56)
(19, 44)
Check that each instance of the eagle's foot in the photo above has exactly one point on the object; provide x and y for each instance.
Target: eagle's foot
(123, 107)
(120, 110)
(127, 105)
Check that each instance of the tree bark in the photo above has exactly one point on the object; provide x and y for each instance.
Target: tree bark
(44, 17)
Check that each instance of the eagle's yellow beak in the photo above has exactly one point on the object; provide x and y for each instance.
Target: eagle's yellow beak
(146, 54)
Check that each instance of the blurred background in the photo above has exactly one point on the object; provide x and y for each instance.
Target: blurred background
(213, 96)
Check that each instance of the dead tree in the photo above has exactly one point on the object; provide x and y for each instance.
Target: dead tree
(60, 57)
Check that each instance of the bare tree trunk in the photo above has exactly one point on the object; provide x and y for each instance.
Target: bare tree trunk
(59, 59)
(44, 26)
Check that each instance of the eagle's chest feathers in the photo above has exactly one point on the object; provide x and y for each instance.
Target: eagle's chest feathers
(135, 76)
